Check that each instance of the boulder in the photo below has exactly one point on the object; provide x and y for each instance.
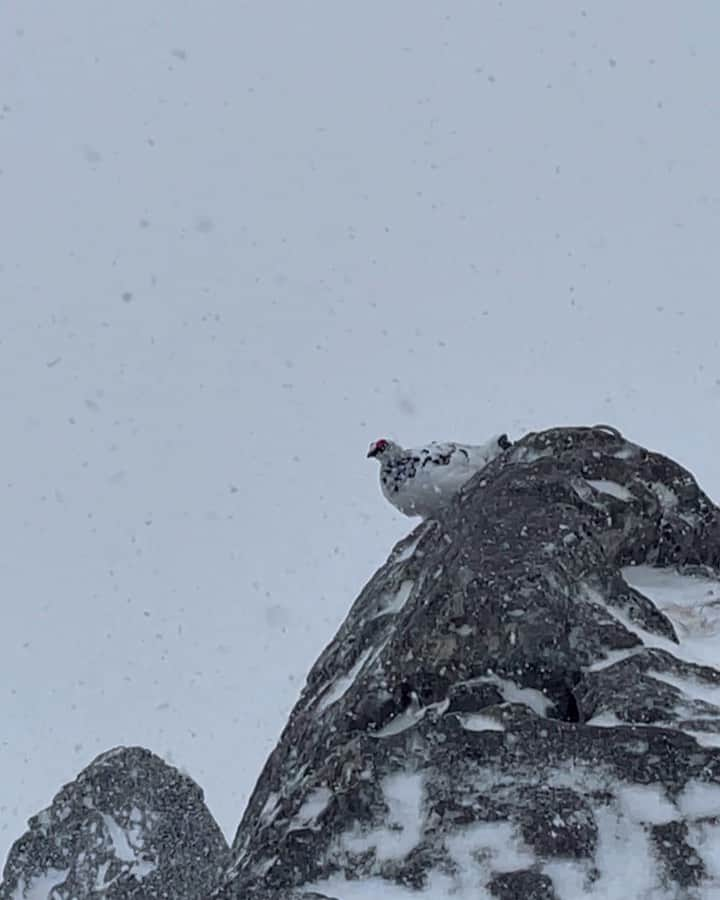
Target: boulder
(129, 826)
(504, 712)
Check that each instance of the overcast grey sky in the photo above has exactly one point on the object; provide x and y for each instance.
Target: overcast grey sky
(239, 241)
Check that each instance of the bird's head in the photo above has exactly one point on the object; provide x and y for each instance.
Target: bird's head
(382, 449)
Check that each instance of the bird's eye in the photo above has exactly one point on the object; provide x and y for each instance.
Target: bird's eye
(381, 445)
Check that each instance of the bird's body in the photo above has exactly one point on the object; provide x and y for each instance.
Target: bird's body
(421, 481)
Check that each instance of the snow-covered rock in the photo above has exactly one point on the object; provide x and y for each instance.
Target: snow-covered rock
(505, 713)
(129, 826)
(422, 480)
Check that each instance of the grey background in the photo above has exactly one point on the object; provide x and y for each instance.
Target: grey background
(238, 241)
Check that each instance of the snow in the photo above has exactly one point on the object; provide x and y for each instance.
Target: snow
(440, 888)
(691, 687)
(611, 657)
(479, 722)
(338, 688)
(403, 794)
(40, 888)
(471, 849)
(704, 838)
(625, 860)
(667, 497)
(646, 803)
(101, 880)
(315, 803)
(127, 844)
(605, 720)
(409, 551)
(692, 603)
(496, 844)
(271, 808)
(611, 487)
(409, 717)
(704, 738)
(513, 693)
(222, 273)
(699, 799)
(698, 648)
(119, 839)
(396, 603)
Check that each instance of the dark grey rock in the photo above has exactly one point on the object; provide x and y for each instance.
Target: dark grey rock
(129, 826)
(523, 883)
(444, 738)
(678, 858)
(562, 824)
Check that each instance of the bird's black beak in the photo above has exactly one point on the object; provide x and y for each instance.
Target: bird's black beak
(371, 452)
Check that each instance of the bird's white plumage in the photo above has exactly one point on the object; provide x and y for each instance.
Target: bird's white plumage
(420, 481)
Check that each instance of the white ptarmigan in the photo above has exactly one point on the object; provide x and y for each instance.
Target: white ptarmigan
(420, 482)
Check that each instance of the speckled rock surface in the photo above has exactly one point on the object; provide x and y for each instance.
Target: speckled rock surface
(129, 826)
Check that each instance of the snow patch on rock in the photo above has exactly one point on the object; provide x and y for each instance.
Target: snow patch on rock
(619, 491)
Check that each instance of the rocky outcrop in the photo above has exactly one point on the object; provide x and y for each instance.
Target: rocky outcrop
(503, 713)
(521, 705)
(129, 826)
